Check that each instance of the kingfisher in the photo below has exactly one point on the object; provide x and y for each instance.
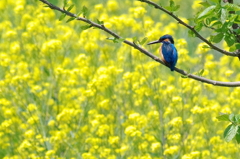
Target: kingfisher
(168, 52)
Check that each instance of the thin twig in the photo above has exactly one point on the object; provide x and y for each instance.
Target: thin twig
(102, 27)
(236, 53)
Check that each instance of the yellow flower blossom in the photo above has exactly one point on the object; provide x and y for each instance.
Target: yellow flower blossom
(196, 5)
(132, 131)
(29, 134)
(61, 86)
(202, 48)
(228, 73)
(171, 150)
(155, 147)
(176, 122)
(138, 12)
(112, 5)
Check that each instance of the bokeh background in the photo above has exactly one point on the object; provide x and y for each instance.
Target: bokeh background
(66, 92)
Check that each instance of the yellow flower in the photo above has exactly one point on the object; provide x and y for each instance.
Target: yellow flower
(155, 147)
(51, 123)
(88, 156)
(113, 140)
(29, 134)
(32, 107)
(143, 146)
(105, 153)
(112, 5)
(215, 140)
(196, 5)
(197, 110)
(177, 99)
(51, 46)
(98, 7)
(228, 73)
(104, 104)
(132, 131)
(138, 12)
(176, 122)
(103, 130)
(33, 120)
(122, 149)
(24, 145)
(202, 48)
(11, 34)
(134, 116)
(171, 150)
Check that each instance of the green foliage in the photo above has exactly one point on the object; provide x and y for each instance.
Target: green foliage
(116, 40)
(140, 42)
(218, 18)
(172, 7)
(232, 131)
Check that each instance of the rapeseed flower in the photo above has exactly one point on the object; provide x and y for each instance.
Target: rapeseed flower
(70, 93)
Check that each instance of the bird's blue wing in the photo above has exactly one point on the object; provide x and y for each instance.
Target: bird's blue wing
(170, 54)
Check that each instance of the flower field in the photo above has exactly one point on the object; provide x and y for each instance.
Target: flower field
(70, 93)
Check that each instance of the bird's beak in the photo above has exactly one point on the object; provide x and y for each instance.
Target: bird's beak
(154, 42)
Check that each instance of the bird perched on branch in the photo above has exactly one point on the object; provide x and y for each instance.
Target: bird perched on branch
(167, 50)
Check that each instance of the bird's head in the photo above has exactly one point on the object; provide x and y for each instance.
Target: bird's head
(166, 37)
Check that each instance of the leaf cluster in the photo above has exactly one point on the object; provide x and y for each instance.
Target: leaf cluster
(220, 18)
(233, 130)
(84, 12)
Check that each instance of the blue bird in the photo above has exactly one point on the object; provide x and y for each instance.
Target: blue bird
(168, 52)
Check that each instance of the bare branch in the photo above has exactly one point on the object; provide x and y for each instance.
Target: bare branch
(102, 27)
(236, 53)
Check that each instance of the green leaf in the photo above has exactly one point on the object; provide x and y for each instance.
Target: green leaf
(135, 40)
(198, 27)
(173, 7)
(70, 7)
(206, 46)
(100, 22)
(208, 11)
(85, 11)
(217, 38)
(238, 136)
(143, 41)
(70, 19)
(200, 73)
(62, 17)
(78, 14)
(217, 24)
(85, 27)
(172, 3)
(237, 46)
(116, 40)
(237, 118)
(191, 33)
(65, 3)
(237, 20)
(223, 117)
(231, 7)
(205, 4)
(216, 1)
(231, 117)
(230, 40)
(232, 48)
(230, 132)
(223, 15)
(183, 76)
